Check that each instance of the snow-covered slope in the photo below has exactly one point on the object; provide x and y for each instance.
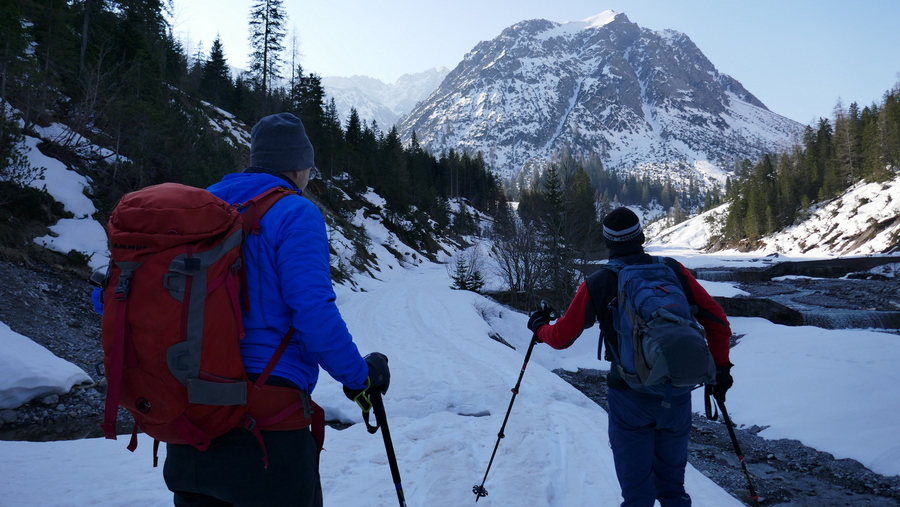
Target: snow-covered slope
(82, 233)
(376, 100)
(641, 100)
(450, 391)
(864, 220)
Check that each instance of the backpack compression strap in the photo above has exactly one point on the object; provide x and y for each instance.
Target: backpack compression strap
(122, 350)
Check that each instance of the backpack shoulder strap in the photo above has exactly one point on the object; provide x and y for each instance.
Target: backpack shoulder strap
(614, 265)
(254, 209)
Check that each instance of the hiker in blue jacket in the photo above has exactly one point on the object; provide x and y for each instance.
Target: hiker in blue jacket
(289, 282)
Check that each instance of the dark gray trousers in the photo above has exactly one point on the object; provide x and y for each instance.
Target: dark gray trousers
(231, 471)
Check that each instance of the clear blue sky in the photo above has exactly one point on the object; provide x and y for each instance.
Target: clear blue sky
(796, 56)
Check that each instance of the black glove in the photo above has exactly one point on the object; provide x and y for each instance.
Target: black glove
(379, 373)
(724, 381)
(379, 379)
(538, 319)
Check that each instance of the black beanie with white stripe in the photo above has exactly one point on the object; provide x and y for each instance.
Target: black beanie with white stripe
(622, 226)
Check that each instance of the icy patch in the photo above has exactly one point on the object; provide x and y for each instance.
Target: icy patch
(722, 289)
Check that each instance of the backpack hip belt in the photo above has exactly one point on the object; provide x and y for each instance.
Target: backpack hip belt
(272, 402)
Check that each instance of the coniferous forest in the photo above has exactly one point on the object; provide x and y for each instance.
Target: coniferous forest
(776, 191)
(113, 71)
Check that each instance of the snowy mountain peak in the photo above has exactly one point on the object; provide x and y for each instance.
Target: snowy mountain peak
(640, 100)
(601, 19)
(376, 100)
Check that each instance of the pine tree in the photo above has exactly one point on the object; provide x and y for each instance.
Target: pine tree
(353, 134)
(215, 84)
(268, 21)
(14, 62)
(466, 276)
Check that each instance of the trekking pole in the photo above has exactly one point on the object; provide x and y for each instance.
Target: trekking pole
(753, 497)
(479, 490)
(381, 421)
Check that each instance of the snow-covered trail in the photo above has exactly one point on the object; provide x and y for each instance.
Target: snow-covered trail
(449, 392)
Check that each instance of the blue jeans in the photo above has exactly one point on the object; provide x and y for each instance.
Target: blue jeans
(649, 444)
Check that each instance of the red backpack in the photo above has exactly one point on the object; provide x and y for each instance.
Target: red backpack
(172, 321)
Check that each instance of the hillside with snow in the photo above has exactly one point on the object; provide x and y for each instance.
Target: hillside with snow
(865, 220)
(450, 391)
(642, 100)
(451, 378)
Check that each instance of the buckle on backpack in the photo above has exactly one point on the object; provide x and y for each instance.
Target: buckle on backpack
(123, 287)
(248, 423)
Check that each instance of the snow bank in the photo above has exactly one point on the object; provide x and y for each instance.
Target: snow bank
(86, 236)
(834, 390)
(64, 185)
(83, 233)
(28, 370)
(863, 221)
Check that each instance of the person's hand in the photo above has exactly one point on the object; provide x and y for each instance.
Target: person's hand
(724, 381)
(379, 373)
(379, 380)
(538, 319)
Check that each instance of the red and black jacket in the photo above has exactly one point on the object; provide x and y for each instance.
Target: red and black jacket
(594, 295)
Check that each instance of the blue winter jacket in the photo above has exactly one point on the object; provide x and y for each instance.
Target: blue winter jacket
(289, 279)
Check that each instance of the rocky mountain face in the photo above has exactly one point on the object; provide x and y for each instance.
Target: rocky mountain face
(641, 100)
(376, 100)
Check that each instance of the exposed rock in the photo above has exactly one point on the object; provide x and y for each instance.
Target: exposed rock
(760, 307)
(784, 472)
(9, 416)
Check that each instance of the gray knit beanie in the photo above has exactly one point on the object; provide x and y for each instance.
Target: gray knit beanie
(279, 143)
(622, 226)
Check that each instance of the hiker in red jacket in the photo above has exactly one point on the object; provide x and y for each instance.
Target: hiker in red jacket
(648, 431)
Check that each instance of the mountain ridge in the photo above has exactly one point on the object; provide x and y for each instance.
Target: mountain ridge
(379, 101)
(638, 99)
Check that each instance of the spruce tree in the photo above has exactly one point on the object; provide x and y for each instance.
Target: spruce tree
(215, 84)
(268, 20)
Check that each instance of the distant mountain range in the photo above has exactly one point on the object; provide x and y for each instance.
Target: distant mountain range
(641, 100)
(376, 100)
